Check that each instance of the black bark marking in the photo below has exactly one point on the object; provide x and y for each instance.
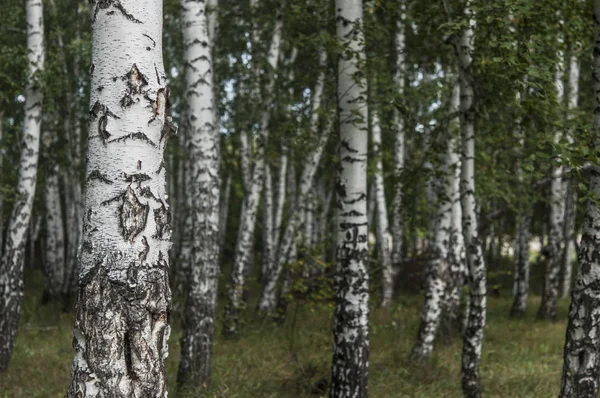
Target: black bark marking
(157, 74)
(139, 164)
(97, 175)
(134, 136)
(169, 129)
(133, 215)
(151, 39)
(161, 104)
(162, 218)
(138, 177)
(104, 4)
(102, 112)
(136, 81)
(144, 253)
(160, 167)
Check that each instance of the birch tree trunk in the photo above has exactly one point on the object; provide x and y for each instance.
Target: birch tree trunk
(11, 266)
(557, 213)
(224, 213)
(252, 196)
(571, 193)
(398, 225)
(268, 301)
(383, 232)
(349, 373)
(204, 157)
(267, 231)
(456, 245)
(473, 335)
(55, 242)
(581, 367)
(124, 301)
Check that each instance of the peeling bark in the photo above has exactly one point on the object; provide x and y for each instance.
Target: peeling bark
(350, 363)
(124, 301)
(11, 266)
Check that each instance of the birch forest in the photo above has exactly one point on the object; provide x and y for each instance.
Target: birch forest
(299, 198)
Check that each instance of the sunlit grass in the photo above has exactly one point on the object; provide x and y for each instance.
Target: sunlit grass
(521, 358)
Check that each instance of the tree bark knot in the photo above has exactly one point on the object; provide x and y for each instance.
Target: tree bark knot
(133, 215)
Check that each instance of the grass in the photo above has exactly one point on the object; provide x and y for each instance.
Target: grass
(521, 358)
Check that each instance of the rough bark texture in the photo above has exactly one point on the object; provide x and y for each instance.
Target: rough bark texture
(11, 266)
(581, 367)
(349, 373)
(550, 292)
(252, 195)
(124, 301)
(473, 334)
(204, 156)
(397, 227)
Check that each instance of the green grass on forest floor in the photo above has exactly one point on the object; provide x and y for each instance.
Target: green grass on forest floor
(521, 358)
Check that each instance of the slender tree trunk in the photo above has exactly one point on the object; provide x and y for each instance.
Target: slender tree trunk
(349, 373)
(439, 273)
(473, 335)
(383, 233)
(224, 213)
(281, 189)
(398, 224)
(557, 213)
(252, 197)
(521, 277)
(124, 301)
(11, 266)
(267, 231)
(456, 245)
(54, 247)
(581, 367)
(268, 301)
(204, 155)
(571, 199)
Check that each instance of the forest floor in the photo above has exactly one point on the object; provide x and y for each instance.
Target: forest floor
(521, 358)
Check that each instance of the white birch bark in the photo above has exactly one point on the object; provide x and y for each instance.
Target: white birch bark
(581, 367)
(204, 157)
(473, 334)
(11, 265)
(252, 197)
(550, 292)
(349, 374)
(268, 301)
(281, 190)
(571, 199)
(397, 227)
(54, 247)
(456, 246)
(124, 301)
(383, 231)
